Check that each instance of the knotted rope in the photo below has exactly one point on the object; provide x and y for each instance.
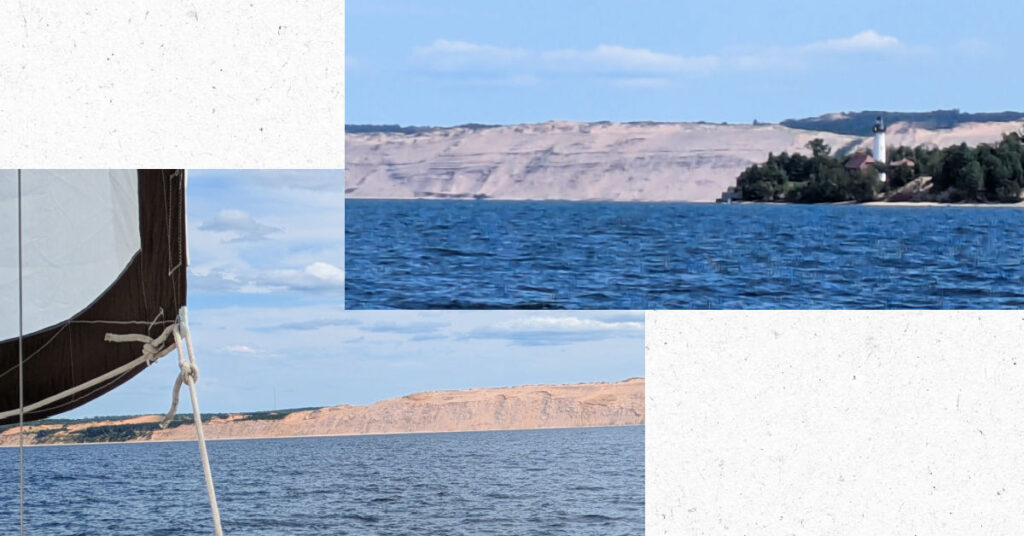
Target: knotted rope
(153, 349)
(188, 371)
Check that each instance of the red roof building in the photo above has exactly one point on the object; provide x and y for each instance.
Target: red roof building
(859, 161)
(903, 162)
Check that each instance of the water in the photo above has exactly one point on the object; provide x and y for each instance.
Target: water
(494, 254)
(553, 482)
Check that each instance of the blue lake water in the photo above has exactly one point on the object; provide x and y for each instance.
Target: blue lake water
(553, 482)
(505, 254)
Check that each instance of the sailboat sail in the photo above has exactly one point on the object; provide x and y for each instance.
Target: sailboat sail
(103, 252)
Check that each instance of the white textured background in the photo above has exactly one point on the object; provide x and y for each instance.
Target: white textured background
(835, 423)
(172, 83)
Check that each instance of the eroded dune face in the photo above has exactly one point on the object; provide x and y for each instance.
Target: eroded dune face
(507, 408)
(512, 408)
(594, 161)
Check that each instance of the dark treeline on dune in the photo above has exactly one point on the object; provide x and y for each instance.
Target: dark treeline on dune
(850, 123)
(857, 123)
(988, 173)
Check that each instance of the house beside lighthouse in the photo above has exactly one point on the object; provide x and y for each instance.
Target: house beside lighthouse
(879, 149)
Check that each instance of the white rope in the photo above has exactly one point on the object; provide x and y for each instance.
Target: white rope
(152, 348)
(151, 351)
(189, 374)
(188, 370)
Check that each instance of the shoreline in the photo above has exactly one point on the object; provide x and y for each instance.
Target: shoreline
(583, 405)
(208, 440)
(1019, 204)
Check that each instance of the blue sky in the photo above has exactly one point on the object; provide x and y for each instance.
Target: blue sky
(460, 61)
(266, 307)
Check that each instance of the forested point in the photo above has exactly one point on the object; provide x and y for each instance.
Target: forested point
(988, 173)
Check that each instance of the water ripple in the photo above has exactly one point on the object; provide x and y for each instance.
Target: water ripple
(559, 482)
(564, 255)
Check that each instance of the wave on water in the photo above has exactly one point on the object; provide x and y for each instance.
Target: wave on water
(568, 482)
(542, 255)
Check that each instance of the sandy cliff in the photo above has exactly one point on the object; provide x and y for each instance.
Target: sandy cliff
(594, 161)
(507, 408)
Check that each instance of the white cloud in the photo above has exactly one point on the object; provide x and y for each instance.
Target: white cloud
(327, 272)
(240, 224)
(556, 330)
(572, 323)
(820, 52)
(618, 59)
(239, 349)
(634, 67)
(481, 64)
(446, 55)
(317, 277)
(866, 41)
(641, 82)
(294, 244)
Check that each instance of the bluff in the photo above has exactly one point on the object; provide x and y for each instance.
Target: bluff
(563, 160)
(503, 408)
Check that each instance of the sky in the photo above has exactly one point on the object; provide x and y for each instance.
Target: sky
(461, 61)
(266, 311)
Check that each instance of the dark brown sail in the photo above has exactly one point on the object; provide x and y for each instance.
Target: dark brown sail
(92, 213)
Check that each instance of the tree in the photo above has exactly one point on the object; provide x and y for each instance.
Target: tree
(819, 148)
(986, 173)
(762, 182)
(953, 165)
(899, 176)
(971, 180)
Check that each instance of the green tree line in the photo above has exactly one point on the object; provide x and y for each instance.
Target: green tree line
(986, 173)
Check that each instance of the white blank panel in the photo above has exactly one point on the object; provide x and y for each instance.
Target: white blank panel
(173, 83)
(835, 422)
(80, 229)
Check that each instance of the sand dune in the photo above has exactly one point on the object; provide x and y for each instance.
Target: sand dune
(506, 408)
(594, 161)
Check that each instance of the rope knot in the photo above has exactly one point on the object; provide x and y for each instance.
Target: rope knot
(149, 351)
(189, 370)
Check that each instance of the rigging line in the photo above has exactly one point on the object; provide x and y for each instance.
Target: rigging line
(149, 323)
(145, 359)
(21, 378)
(189, 373)
(152, 350)
(66, 323)
(76, 398)
(33, 354)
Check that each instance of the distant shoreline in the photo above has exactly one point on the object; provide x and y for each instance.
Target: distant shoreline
(1019, 204)
(525, 407)
(210, 440)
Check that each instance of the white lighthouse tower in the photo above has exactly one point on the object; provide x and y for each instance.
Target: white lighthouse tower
(879, 149)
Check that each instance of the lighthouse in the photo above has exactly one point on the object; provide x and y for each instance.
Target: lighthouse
(879, 148)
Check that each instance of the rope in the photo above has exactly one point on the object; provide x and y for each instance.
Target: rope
(189, 374)
(152, 349)
(189, 371)
(21, 378)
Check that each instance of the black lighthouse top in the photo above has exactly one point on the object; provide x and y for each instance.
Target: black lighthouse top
(879, 125)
